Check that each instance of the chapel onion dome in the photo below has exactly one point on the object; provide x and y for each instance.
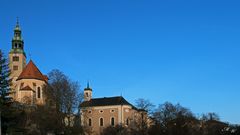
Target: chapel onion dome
(88, 88)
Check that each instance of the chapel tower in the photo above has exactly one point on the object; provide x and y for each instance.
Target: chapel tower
(17, 56)
(87, 93)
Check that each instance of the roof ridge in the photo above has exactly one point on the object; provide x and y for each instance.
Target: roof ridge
(108, 97)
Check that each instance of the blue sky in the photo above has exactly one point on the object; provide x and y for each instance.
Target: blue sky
(182, 51)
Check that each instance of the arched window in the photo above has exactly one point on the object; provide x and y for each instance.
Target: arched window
(101, 122)
(90, 122)
(87, 95)
(39, 92)
(127, 122)
(112, 121)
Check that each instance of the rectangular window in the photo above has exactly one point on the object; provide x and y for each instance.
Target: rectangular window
(15, 58)
(15, 67)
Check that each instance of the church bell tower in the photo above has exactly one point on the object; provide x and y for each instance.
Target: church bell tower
(17, 56)
(87, 93)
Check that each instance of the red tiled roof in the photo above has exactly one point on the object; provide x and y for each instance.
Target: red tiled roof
(32, 72)
(26, 88)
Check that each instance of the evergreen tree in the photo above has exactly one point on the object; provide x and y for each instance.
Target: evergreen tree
(4, 80)
(4, 87)
(7, 113)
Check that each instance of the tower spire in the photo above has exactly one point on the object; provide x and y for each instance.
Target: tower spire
(17, 27)
(17, 21)
(88, 85)
(17, 56)
(87, 92)
(17, 41)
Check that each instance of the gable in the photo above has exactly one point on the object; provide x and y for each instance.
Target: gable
(32, 72)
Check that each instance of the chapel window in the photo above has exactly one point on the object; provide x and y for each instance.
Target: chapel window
(101, 122)
(90, 122)
(127, 122)
(112, 121)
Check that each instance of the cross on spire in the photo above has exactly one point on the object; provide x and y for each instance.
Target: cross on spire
(88, 85)
(17, 24)
(17, 21)
(30, 55)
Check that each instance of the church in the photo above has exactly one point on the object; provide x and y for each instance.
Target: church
(99, 113)
(27, 86)
(27, 81)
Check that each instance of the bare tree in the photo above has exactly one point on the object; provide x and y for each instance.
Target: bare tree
(144, 104)
(210, 116)
(63, 97)
(142, 121)
(174, 119)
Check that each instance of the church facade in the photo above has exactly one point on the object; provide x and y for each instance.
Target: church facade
(99, 113)
(27, 81)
